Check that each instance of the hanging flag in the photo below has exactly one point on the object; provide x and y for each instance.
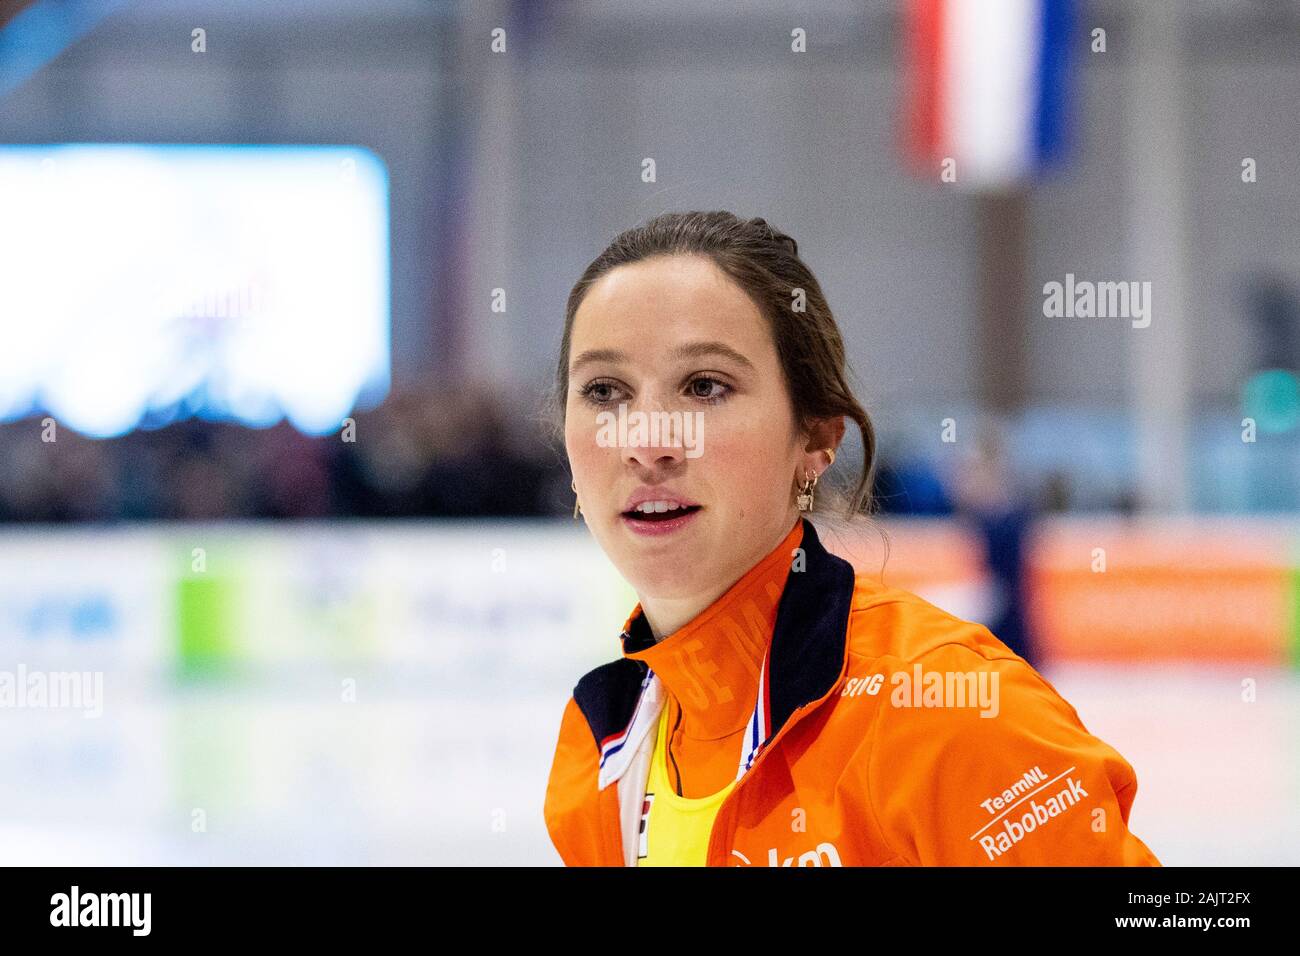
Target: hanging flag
(987, 87)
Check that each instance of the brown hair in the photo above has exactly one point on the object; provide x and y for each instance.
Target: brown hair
(765, 263)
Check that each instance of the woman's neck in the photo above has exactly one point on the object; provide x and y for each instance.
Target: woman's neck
(667, 615)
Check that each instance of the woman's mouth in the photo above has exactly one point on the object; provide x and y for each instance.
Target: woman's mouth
(659, 517)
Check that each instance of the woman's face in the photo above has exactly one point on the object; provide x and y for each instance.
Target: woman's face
(674, 334)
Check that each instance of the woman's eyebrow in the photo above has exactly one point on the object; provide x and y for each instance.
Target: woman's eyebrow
(597, 355)
(689, 350)
(700, 349)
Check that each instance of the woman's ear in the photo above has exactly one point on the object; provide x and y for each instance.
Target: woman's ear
(824, 435)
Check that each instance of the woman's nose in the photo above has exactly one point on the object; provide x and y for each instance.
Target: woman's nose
(652, 434)
(653, 457)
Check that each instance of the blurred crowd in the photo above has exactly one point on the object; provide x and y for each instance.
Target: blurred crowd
(419, 454)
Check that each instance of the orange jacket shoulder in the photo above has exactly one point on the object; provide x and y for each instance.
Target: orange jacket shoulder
(1010, 776)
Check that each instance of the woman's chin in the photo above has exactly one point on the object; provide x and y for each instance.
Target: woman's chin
(665, 576)
(665, 565)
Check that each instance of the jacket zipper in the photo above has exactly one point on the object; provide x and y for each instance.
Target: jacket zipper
(797, 715)
(668, 750)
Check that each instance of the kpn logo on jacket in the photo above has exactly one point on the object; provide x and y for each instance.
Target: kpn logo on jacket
(824, 854)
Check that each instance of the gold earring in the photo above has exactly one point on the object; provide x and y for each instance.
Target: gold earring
(577, 508)
(805, 498)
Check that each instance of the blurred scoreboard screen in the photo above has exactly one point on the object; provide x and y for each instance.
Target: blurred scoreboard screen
(144, 284)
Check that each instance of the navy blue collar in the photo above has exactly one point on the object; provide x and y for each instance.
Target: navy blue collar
(806, 657)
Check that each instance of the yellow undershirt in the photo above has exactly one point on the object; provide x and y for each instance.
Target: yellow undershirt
(676, 830)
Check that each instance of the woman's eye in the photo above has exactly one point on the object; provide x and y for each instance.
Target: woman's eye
(708, 389)
(598, 393)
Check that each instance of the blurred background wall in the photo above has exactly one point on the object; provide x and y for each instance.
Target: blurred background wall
(510, 171)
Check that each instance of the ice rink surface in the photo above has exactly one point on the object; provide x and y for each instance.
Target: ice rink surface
(419, 770)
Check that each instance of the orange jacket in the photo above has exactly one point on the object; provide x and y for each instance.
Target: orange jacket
(886, 733)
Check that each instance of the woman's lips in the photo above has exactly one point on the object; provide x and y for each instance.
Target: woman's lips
(659, 525)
